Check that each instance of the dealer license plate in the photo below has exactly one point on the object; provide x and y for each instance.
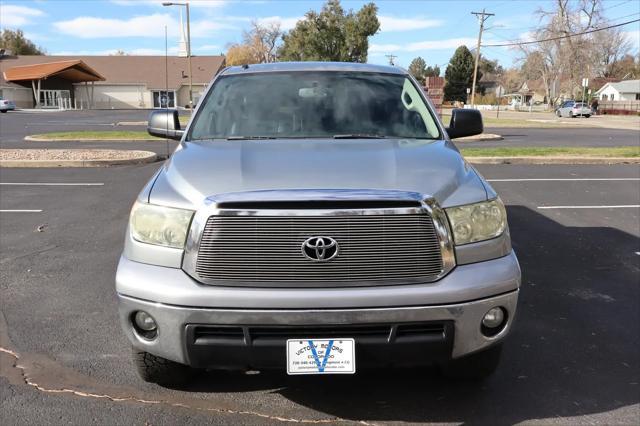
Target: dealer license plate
(321, 356)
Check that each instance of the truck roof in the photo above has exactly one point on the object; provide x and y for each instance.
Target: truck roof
(313, 66)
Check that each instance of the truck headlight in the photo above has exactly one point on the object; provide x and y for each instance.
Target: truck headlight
(163, 226)
(477, 222)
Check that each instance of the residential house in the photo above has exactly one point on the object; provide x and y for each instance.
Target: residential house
(626, 90)
(489, 84)
(533, 92)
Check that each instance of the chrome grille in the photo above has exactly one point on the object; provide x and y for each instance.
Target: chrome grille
(267, 249)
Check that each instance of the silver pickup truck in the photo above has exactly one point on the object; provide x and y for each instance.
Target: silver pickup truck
(316, 218)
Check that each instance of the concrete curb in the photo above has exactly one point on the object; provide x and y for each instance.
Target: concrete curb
(37, 111)
(149, 157)
(480, 138)
(553, 160)
(132, 123)
(37, 139)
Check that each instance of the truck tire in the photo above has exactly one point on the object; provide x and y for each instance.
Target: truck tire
(476, 366)
(154, 369)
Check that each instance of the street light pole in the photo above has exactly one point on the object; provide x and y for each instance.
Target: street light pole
(189, 58)
(186, 5)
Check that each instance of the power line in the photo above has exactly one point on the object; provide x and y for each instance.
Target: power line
(511, 40)
(561, 37)
(498, 52)
(616, 5)
(535, 27)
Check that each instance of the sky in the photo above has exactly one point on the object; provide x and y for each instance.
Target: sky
(409, 28)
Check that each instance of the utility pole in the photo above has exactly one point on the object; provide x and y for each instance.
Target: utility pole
(482, 16)
(391, 58)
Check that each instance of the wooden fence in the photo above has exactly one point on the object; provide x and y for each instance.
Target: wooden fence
(618, 107)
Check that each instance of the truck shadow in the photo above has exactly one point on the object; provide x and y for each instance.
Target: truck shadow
(574, 349)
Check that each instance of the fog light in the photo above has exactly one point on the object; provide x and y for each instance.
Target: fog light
(494, 318)
(144, 321)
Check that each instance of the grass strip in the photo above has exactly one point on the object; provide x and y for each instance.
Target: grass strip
(621, 151)
(550, 122)
(518, 122)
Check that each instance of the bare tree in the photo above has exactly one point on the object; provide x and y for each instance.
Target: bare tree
(610, 47)
(511, 79)
(263, 40)
(542, 64)
(562, 62)
(260, 44)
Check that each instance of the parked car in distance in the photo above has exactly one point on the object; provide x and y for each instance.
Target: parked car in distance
(565, 104)
(316, 218)
(574, 109)
(6, 105)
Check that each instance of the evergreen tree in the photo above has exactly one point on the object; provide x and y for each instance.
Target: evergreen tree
(459, 75)
(417, 69)
(432, 71)
(331, 35)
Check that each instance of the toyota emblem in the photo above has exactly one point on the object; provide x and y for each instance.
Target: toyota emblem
(320, 249)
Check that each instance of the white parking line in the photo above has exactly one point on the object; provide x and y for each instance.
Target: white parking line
(562, 179)
(20, 211)
(49, 184)
(630, 206)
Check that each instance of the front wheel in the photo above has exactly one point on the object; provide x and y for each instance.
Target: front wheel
(154, 369)
(587, 116)
(3, 110)
(558, 114)
(476, 366)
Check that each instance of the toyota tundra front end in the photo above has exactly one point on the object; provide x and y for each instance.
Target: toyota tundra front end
(316, 218)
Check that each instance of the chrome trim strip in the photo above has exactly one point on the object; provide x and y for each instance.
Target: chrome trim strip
(428, 205)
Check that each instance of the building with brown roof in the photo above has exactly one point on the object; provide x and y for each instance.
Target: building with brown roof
(105, 81)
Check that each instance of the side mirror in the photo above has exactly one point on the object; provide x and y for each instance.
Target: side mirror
(465, 122)
(164, 123)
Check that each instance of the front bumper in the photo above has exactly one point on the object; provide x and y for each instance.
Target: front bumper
(174, 323)
(459, 301)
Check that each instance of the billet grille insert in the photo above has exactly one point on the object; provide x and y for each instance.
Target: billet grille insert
(267, 249)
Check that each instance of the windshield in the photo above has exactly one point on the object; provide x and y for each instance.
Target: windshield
(313, 105)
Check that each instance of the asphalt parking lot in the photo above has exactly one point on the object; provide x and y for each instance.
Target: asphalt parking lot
(574, 137)
(14, 126)
(573, 357)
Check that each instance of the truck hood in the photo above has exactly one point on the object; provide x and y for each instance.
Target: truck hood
(198, 170)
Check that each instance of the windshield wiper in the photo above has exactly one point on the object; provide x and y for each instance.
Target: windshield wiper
(243, 138)
(359, 136)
